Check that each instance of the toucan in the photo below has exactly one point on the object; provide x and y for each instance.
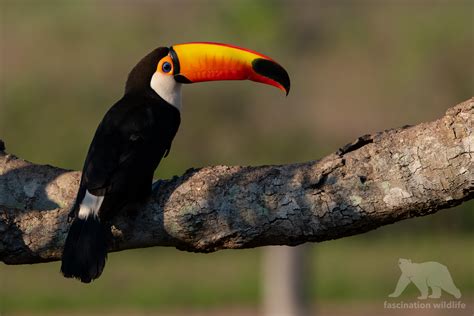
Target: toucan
(137, 132)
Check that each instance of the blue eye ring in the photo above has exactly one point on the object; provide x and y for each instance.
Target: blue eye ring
(166, 67)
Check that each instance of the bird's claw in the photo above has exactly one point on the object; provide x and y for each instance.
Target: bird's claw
(156, 185)
(71, 216)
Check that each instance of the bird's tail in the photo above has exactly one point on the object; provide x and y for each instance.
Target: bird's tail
(85, 251)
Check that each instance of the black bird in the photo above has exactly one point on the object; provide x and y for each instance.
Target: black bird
(137, 132)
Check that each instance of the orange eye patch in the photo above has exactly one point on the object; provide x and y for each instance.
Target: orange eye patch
(165, 66)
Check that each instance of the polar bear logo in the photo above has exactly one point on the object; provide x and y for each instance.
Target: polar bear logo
(424, 275)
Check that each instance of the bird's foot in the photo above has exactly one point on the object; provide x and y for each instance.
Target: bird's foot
(71, 216)
(156, 185)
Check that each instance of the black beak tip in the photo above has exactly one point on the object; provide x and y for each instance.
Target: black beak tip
(272, 70)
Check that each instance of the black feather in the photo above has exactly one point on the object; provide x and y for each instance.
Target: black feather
(128, 145)
(85, 251)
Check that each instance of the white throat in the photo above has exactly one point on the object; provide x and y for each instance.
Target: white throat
(167, 88)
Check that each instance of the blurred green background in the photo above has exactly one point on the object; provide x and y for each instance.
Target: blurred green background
(356, 68)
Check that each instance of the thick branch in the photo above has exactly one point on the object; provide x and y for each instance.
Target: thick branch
(377, 180)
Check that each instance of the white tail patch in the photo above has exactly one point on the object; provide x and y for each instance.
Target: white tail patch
(90, 205)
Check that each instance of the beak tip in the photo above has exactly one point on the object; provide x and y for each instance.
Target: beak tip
(284, 86)
(273, 71)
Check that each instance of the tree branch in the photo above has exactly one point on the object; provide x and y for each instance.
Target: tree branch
(377, 180)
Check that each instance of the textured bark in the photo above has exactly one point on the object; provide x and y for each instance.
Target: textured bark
(377, 180)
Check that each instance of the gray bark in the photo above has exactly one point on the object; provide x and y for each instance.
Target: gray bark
(377, 180)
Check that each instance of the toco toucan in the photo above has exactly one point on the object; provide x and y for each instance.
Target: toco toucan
(137, 132)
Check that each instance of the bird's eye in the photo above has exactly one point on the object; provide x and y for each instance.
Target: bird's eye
(166, 67)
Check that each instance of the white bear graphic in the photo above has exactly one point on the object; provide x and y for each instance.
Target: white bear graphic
(424, 275)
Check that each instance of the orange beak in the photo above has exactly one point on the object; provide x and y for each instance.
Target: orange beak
(203, 61)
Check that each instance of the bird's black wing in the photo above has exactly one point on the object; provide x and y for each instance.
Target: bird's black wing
(127, 147)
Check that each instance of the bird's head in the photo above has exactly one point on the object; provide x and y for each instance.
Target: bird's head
(165, 69)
